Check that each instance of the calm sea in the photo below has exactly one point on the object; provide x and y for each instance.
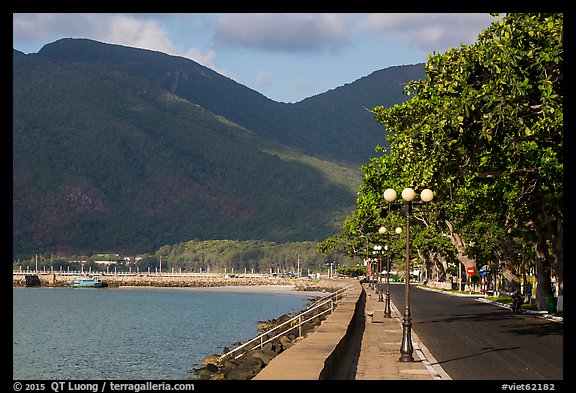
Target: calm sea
(137, 334)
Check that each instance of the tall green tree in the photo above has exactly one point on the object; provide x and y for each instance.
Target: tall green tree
(484, 130)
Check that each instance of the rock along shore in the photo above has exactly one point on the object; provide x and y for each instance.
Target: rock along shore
(248, 362)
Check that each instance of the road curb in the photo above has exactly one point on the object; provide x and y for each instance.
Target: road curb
(481, 298)
(432, 365)
(543, 314)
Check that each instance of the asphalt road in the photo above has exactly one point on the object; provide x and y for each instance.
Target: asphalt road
(472, 340)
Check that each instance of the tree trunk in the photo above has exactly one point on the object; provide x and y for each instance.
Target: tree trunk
(550, 235)
(440, 264)
(428, 266)
(543, 281)
(460, 246)
(558, 254)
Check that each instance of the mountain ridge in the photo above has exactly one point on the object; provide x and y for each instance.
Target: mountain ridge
(109, 159)
(301, 125)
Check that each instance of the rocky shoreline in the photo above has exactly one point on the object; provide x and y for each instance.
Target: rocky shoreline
(252, 359)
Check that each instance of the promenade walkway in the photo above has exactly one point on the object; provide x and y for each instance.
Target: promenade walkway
(350, 345)
(377, 356)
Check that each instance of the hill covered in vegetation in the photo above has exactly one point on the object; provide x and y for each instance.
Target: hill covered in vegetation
(109, 156)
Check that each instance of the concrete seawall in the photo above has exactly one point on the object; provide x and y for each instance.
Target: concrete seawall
(318, 355)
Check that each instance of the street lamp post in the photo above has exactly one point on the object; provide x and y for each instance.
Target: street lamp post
(370, 264)
(383, 230)
(375, 273)
(378, 250)
(408, 196)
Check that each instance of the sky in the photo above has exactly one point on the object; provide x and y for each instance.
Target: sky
(285, 56)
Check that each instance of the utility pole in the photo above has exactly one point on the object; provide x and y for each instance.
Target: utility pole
(298, 268)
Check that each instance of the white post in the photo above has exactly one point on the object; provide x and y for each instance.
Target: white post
(298, 268)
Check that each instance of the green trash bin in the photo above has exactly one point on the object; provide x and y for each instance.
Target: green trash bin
(551, 304)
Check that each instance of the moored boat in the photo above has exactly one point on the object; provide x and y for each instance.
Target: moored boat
(89, 282)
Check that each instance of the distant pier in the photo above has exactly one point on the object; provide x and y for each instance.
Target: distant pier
(61, 279)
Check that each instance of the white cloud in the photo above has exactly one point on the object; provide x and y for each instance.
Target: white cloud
(30, 27)
(303, 85)
(364, 42)
(282, 32)
(428, 32)
(206, 60)
(135, 30)
(142, 32)
(139, 33)
(263, 79)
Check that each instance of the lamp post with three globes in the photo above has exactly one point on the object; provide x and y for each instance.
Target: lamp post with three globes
(383, 230)
(408, 195)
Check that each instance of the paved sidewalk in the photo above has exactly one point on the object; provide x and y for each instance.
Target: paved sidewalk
(379, 352)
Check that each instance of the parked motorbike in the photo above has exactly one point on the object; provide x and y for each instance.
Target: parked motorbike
(517, 301)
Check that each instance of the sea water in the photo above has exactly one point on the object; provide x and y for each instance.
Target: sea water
(134, 334)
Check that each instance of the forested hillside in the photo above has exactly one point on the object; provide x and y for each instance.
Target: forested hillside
(103, 160)
(335, 126)
(243, 256)
(123, 149)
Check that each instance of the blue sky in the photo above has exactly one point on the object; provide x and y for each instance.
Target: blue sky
(287, 57)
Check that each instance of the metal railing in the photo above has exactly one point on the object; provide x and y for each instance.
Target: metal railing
(293, 323)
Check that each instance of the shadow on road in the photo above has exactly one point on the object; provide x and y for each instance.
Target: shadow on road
(484, 351)
(538, 329)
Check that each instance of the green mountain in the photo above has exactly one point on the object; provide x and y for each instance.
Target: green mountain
(334, 126)
(123, 149)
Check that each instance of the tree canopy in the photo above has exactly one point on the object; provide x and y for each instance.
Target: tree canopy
(484, 131)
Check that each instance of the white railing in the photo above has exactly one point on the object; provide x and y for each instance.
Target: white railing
(136, 273)
(296, 321)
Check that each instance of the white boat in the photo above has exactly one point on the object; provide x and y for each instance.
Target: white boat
(87, 282)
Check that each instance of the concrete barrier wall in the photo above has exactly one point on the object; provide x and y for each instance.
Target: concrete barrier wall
(114, 281)
(317, 355)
